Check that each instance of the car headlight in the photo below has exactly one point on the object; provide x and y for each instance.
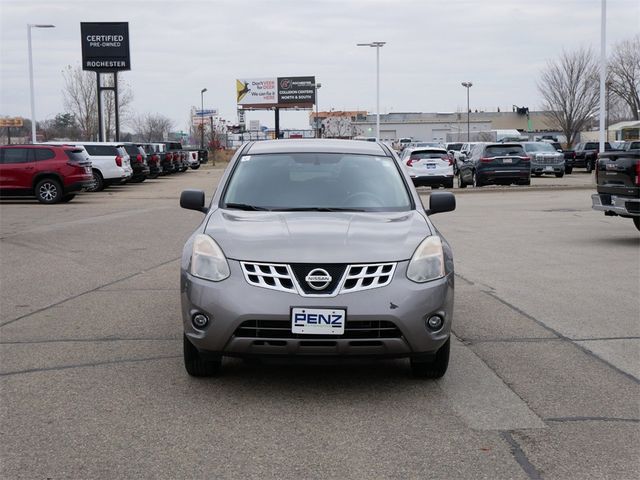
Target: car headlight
(427, 262)
(207, 259)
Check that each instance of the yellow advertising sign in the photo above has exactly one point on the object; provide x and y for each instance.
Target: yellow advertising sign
(11, 122)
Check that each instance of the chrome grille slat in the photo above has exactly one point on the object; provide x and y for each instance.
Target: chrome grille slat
(365, 279)
(254, 274)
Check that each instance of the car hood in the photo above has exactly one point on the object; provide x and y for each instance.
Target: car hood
(310, 237)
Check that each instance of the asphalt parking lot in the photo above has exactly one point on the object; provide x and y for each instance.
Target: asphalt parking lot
(543, 382)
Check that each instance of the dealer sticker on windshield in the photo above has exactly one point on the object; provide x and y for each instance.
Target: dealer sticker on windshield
(318, 321)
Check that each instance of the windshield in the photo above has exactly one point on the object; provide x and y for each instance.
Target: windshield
(316, 181)
(539, 147)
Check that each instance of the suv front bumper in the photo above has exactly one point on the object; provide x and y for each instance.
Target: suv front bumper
(233, 301)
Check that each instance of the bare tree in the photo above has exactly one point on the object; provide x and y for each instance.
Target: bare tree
(80, 99)
(338, 127)
(569, 88)
(624, 74)
(152, 127)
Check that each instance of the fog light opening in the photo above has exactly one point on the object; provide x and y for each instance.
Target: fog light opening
(200, 320)
(434, 322)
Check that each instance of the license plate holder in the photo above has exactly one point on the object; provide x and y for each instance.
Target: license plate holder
(318, 321)
(507, 160)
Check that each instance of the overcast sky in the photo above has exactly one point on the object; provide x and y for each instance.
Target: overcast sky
(180, 47)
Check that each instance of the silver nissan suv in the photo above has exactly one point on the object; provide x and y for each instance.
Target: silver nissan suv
(316, 248)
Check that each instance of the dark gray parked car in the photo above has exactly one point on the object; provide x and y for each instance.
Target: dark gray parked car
(495, 163)
(316, 248)
(545, 158)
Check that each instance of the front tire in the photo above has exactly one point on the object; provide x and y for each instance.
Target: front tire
(195, 365)
(559, 174)
(437, 367)
(195, 167)
(568, 170)
(588, 166)
(48, 191)
(636, 222)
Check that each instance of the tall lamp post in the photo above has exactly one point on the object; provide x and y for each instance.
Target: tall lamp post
(468, 85)
(202, 118)
(377, 46)
(33, 106)
(318, 85)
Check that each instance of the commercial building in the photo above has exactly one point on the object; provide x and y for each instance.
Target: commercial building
(434, 126)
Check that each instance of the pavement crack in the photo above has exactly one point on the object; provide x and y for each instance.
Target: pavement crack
(592, 419)
(73, 297)
(464, 279)
(562, 337)
(521, 457)
(473, 341)
(86, 365)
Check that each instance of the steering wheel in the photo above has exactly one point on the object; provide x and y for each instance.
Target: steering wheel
(352, 200)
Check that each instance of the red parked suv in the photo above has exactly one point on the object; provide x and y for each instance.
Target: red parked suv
(52, 173)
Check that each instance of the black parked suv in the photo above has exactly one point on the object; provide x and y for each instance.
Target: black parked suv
(495, 163)
(138, 160)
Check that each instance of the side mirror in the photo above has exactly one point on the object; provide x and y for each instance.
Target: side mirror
(193, 200)
(441, 202)
(559, 150)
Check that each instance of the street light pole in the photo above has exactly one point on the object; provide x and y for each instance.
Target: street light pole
(377, 46)
(202, 118)
(318, 85)
(33, 106)
(468, 85)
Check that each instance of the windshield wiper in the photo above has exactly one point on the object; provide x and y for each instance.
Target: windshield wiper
(318, 209)
(245, 206)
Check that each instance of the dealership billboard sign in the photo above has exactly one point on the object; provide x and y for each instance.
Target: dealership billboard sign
(105, 46)
(276, 92)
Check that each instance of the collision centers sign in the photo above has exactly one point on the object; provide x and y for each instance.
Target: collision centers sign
(105, 46)
(280, 91)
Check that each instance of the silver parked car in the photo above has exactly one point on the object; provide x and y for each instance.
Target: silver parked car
(544, 158)
(316, 248)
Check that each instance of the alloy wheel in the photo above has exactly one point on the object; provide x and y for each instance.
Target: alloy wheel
(48, 191)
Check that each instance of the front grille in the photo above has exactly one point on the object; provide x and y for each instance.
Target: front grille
(344, 278)
(281, 329)
(335, 270)
(548, 160)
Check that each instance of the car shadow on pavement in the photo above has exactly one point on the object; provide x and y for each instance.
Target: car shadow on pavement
(319, 375)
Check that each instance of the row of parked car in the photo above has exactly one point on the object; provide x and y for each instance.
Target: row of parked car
(483, 163)
(55, 171)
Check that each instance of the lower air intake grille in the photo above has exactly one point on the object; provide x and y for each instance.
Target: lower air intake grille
(278, 329)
